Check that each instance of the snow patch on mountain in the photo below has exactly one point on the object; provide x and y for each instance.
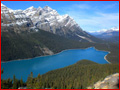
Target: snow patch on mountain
(13, 19)
(106, 30)
(84, 38)
(2, 4)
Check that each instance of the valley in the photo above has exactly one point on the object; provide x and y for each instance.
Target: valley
(44, 64)
(44, 49)
(12, 48)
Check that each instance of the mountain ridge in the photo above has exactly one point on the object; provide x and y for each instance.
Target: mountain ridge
(111, 35)
(46, 19)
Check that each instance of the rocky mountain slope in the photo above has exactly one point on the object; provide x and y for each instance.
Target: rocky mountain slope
(43, 18)
(14, 20)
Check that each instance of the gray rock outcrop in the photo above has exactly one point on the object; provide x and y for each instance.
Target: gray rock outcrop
(110, 82)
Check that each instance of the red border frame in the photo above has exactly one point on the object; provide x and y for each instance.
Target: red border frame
(60, 0)
(51, 0)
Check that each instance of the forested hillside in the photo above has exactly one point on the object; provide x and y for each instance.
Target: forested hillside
(30, 44)
(77, 76)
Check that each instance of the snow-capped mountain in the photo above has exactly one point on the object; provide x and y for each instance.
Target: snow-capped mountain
(14, 19)
(46, 19)
(114, 29)
(106, 32)
(111, 34)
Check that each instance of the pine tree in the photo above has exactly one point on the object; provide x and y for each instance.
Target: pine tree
(14, 82)
(21, 82)
(6, 84)
(38, 83)
(30, 81)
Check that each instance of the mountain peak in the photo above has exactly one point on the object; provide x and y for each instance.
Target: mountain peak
(48, 19)
(2, 4)
(106, 30)
(115, 29)
(66, 16)
(47, 8)
(31, 8)
(39, 8)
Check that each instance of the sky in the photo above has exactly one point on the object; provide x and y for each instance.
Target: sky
(90, 15)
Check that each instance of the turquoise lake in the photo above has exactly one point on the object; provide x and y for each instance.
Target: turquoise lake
(23, 68)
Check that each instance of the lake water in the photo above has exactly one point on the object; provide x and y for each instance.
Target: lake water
(23, 68)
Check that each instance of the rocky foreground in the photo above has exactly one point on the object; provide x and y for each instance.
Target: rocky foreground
(110, 82)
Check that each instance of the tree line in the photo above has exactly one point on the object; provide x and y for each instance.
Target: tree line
(77, 76)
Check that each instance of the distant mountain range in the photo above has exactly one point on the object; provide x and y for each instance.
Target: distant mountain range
(43, 18)
(111, 35)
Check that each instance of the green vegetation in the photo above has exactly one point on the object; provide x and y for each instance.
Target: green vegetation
(113, 48)
(30, 81)
(6, 84)
(29, 44)
(34, 83)
(77, 76)
(11, 84)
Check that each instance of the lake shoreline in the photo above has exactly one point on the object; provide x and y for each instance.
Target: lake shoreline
(105, 57)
